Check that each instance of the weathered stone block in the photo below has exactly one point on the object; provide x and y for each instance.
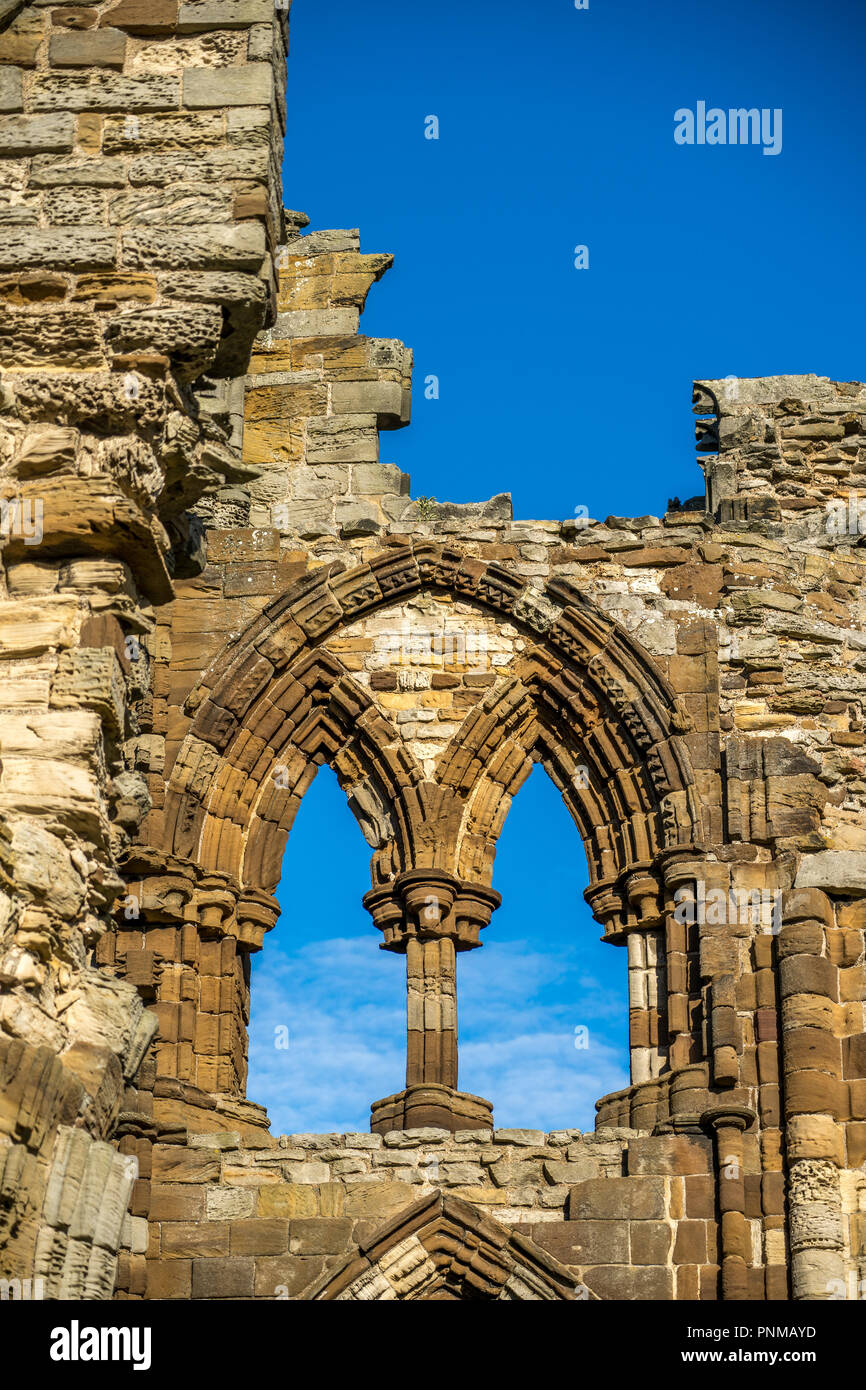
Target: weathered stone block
(584, 1242)
(190, 1239)
(198, 15)
(215, 167)
(815, 1093)
(320, 1235)
(176, 1165)
(144, 16)
(10, 90)
(377, 1201)
(36, 134)
(250, 85)
(523, 1138)
(260, 1236)
(85, 248)
(54, 171)
(105, 48)
(223, 1278)
(104, 92)
(834, 871)
(808, 975)
(211, 247)
(617, 1198)
(690, 1247)
(630, 1282)
(671, 1155)
(169, 1279)
(286, 1276)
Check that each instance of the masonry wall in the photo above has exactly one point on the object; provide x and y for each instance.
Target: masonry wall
(213, 585)
(757, 623)
(141, 208)
(628, 1217)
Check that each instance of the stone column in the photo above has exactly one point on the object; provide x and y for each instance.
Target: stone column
(428, 916)
(729, 1123)
(815, 1096)
(431, 1012)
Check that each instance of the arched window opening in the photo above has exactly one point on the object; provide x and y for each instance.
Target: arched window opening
(327, 1009)
(544, 1007)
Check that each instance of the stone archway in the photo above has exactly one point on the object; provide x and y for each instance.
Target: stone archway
(442, 1248)
(577, 693)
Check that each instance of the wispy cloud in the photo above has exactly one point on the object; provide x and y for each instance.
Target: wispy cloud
(343, 1003)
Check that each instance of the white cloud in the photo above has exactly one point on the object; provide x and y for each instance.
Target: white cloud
(343, 1002)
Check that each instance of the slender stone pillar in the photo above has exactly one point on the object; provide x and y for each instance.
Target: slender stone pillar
(728, 1123)
(428, 916)
(431, 1012)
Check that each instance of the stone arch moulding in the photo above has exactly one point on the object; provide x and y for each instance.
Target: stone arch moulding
(583, 690)
(581, 696)
(443, 1248)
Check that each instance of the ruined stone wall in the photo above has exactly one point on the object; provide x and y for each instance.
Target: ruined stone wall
(755, 620)
(141, 207)
(625, 1217)
(212, 586)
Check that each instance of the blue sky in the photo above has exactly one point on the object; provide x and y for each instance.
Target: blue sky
(541, 973)
(566, 387)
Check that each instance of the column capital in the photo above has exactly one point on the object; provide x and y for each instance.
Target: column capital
(429, 904)
(725, 1116)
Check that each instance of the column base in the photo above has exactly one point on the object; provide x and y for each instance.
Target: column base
(430, 1106)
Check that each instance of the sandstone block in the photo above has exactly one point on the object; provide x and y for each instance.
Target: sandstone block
(617, 1198)
(197, 15)
(176, 1202)
(233, 1277)
(87, 48)
(189, 206)
(144, 16)
(169, 1279)
(834, 871)
(801, 938)
(172, 1164)
(260, 1236)
(521, 1138)
(10, 90)
(289, 1200)
(215, 167)
(198, 1238)
(55, 171)
(585, 1242)
(813, 1049)
(29, 135)
(673, 1154)
(815, 1093)
(250, 85)
(855, 1135)
(700, 1195)
(104, 92)
(230, 1203)
(320, 1235)
(806, 905)
(211, 247)
(286, 1276)
(630, 1282)
(808, 975)
(815, 1136)
(690, 1245)
(376, 1201)
(84, 248)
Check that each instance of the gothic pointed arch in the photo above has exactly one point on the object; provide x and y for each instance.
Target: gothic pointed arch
(584, 698)
(442, 1248)
(576, 692)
